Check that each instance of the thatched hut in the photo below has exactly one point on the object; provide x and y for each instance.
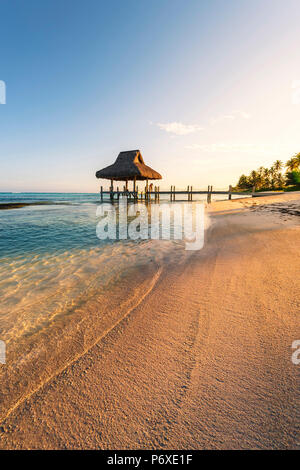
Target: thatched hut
(129, 166)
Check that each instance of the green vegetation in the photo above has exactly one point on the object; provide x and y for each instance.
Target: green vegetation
(266, 179)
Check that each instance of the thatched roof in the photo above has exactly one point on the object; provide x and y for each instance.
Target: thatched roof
(128, 165)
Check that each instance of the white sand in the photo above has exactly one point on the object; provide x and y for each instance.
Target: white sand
(204, 360)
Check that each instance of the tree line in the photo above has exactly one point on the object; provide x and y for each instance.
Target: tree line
(273, 178)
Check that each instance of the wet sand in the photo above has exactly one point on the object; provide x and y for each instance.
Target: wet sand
(203, 360)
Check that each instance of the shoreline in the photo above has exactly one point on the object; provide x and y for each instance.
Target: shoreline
(203, 361)
(19, 205)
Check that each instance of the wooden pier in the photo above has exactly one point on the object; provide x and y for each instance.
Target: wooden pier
(154, 194)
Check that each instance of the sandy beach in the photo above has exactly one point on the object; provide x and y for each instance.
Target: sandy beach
(202, 361)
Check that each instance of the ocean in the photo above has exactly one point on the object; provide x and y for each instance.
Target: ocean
(61, 287)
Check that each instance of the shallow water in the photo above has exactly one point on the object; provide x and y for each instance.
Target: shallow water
(61, 287)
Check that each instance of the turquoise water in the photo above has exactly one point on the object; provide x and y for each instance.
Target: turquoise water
(67, 222)
(61, 286)
(73, 198)
(47, 228)
(52, 250)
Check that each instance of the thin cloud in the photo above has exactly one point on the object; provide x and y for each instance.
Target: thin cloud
(179, 128)
(230, 117)
(234, 148)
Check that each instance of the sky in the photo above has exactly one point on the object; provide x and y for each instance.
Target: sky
(206, 89)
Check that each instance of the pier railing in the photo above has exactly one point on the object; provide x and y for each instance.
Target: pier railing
(155, 193)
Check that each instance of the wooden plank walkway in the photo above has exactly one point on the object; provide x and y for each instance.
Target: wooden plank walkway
(155, 193)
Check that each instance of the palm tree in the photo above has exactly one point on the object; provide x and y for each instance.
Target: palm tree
(244, 182)
(261, 175)
(267, 177)
(276, 176)
(255, 179)
(293, 163)
(278, 165)
(298, 157)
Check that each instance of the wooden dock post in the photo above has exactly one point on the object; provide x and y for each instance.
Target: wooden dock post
(101, 192)
(171, 193)
(229, 192)
(208, 195)
(188, 193)
(147, 190)
(191, 196)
